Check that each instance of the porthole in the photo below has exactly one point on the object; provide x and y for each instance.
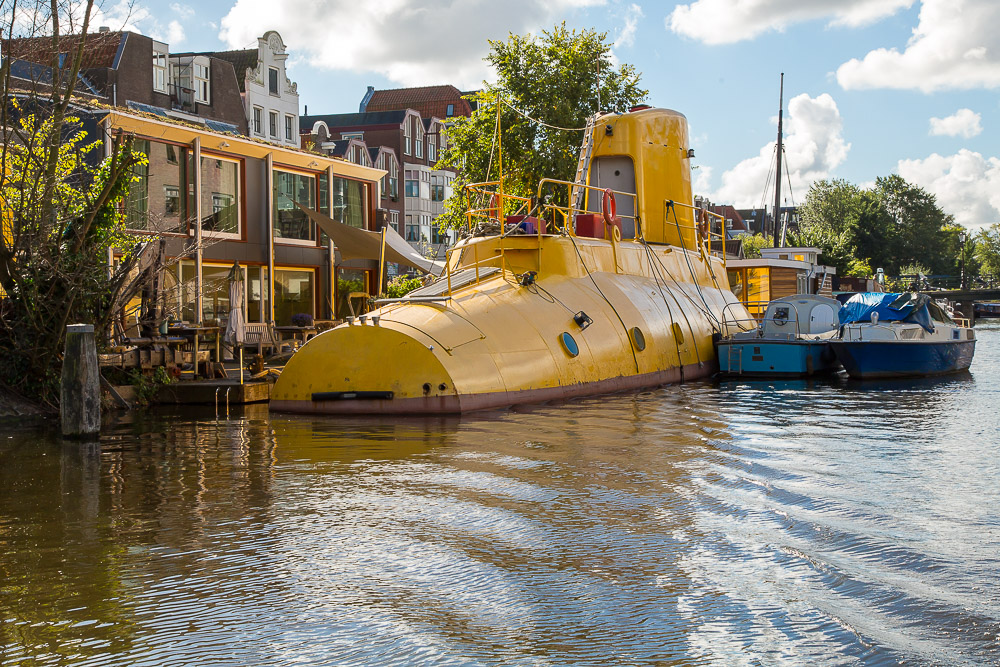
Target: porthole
(569, 344)
(638, 340)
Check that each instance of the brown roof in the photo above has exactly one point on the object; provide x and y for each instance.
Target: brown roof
(241, 60)
(99, 48)
(428, 100)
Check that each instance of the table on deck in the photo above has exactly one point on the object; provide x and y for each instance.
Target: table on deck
(296, 333)
(193, 333)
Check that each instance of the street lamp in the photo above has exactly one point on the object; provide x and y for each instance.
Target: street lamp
(961, 239)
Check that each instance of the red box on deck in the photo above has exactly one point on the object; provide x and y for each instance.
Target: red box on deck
(528, 223)
(592, 225)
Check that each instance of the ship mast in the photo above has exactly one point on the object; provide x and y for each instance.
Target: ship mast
(777, 177)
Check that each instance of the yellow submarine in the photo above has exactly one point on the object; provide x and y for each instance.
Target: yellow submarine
(615, 290)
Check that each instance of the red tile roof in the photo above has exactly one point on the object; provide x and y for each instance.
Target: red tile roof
(428, 100)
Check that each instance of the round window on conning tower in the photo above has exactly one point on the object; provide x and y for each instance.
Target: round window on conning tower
(569, 344)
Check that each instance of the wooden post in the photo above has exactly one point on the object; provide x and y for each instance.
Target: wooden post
(80, 400)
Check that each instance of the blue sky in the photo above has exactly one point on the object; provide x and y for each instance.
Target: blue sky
(872, 87)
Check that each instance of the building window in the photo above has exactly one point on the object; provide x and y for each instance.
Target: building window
(289, 127)
(273, 123)
(349, 281)
(201, 83)
(158, 208)
(406, 137)
(272, 80)
(394, 219)
(431, 150)
(412, 188)
(451, 110)
(258, 120)
(160, 70)
(293, 294)
(437, 188)
(419, 141)
(349, 202)
(220, 196)
(290, 222)
(392, 186)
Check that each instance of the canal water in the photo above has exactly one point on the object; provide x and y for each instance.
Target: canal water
(794, 522)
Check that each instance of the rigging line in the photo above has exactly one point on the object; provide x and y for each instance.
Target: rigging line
(670, 312)
(631, 346)
(687, 321)
(541, 122)
(788, 176)
(767, 183)
(687, 258)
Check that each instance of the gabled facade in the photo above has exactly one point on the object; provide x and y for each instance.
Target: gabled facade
(270, 98)
(416, 145)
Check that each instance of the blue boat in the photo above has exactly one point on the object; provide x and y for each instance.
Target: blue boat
(792, 340)
(884, 335)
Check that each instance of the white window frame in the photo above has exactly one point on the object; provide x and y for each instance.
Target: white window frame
(419, 141)
(272, 124)
(406, 136)
(258, 121)
(202, 83)
(277, 81)
(289, 127)
(161, 68)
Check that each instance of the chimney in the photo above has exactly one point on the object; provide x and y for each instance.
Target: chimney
(363, 107)
(104, 28)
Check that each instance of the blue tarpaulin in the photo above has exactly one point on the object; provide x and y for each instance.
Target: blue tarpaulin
(891, 307)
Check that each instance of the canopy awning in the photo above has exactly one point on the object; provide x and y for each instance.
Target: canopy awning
(354, 243)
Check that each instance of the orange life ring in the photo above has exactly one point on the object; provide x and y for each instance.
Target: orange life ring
(608, 208)
(703, 229)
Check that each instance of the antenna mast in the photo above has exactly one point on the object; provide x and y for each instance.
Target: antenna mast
(777, 180)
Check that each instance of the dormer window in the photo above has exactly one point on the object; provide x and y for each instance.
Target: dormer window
(160, 68)
(202, 83)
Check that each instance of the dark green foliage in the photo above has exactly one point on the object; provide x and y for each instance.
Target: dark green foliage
(891, 225)
(556, 78)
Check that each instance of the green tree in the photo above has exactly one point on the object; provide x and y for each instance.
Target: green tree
(546, 87)
(61, 217)
(987, 249)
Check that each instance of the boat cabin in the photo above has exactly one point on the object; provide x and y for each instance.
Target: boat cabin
(778, 273)
(801, 315)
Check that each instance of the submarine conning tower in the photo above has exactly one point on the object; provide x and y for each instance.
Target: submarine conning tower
(645, 152)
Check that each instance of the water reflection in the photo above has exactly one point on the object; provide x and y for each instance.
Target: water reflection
(819, 522)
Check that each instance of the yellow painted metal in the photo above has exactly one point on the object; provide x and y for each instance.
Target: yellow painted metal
(657, 142)
(497, 341)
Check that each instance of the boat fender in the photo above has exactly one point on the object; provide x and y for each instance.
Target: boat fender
(608, 207)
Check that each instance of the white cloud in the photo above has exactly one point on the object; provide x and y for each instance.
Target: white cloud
(964, 122)
(954, 46)
(814, 147)
(407, 41)
(966, 184)
(728, 21)
(702, 180)
(175, 33)
(183, 12)
(626, 37)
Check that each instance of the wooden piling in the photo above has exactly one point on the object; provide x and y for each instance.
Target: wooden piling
(80, 399)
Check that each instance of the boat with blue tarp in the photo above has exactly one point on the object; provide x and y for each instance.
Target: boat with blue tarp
(901, 335)
(791, 340)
